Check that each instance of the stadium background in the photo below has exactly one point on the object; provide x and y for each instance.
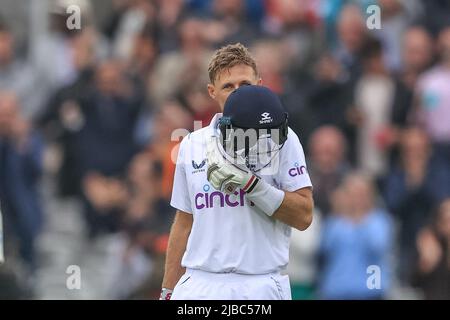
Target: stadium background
(85, 177)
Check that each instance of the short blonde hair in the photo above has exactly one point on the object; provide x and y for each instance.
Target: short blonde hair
(228, 57)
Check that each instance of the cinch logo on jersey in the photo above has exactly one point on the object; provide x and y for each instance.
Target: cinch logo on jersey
(209, 200)
(265, 118)
(297, 170)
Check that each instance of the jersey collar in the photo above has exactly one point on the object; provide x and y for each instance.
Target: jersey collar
(213, 129)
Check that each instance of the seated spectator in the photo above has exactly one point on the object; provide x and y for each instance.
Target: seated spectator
(20, 169)
(433, 268)
(355, 237)
(327, 164)
(433, 112)
(415, 185)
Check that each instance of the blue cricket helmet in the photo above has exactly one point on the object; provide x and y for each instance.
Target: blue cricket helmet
(254, 122)
(254, 107)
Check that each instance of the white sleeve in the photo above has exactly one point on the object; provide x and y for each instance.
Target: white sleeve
(293, 172)
(180, 193)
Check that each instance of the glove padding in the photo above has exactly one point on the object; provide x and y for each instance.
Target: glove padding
(224, 176)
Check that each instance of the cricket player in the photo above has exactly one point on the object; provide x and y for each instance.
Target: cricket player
(237, 194)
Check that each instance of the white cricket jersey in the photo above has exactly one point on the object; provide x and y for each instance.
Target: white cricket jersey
(229, 233)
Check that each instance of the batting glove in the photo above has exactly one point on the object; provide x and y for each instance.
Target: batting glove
(225, 177)
(222, 175)
(166, 294)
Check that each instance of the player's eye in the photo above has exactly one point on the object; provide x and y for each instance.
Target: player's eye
(245, 83)
(227, 86)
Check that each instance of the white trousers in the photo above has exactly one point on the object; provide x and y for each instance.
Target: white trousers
(201, 285)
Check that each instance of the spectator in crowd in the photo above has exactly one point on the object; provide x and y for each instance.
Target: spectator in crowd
(303, 254)
(197, 101)
(296, 24)
(433, 267)
(357, 235)
(20, 169)
(129, 19)
(330, 13)
(417, 56)
(352, 36)
(104, 200)
(327, 164)
(145, 201)
(138, 263)
(396, 15)
(61, 118)
(104, 142)
(232, 16)
(417, 183)
(352, 33)
(172, 122)
(142, 59)
(109, 113)
(18, 76)
(435, 15)
(170, 15)
(59, 52)
(373, 97)
(269, 55)
(175, 69)
(434, 98)
(327, 97)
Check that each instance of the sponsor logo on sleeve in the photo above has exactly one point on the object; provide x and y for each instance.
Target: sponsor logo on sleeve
(297, 170)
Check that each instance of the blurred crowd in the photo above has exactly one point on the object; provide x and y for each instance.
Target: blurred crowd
(95, 110)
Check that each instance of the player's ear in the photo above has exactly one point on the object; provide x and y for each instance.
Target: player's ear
(211, 91)
(260, 82)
